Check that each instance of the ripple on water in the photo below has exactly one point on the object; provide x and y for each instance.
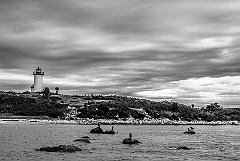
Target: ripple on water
(158, 142)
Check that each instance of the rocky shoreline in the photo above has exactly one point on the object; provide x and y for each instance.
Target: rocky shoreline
(129, 121)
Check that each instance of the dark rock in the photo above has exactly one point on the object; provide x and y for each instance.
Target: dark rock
(85, 137)
(189, 132)
(130, 141)
(183, 148)
(109, 132)
(60, 148)
(83, 140)
(97, 130)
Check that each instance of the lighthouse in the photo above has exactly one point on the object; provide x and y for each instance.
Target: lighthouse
(38, 81)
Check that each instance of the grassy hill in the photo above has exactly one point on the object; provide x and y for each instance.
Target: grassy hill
(27, 106)
(109, 107)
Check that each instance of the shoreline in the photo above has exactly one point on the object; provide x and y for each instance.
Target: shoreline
(112, 122)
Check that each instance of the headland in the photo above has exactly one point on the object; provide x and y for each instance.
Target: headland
(92, 109)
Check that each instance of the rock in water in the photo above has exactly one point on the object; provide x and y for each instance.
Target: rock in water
(183, 148)
(83, 140)
(97, 130)
(60, 148)
(130, 141)
(189, 132)
(109, 132)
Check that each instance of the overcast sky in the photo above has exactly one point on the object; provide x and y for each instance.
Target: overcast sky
(176, 50)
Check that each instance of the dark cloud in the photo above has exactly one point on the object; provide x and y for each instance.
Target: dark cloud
(175, 50)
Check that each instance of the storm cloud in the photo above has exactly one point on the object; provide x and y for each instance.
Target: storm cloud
(185, 51)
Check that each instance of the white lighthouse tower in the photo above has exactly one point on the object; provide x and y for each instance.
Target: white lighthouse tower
(38, 81)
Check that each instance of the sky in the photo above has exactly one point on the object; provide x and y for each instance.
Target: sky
(175, 50)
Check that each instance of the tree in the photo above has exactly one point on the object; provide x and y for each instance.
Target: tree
(213, 107)
(175, 107)
(46, 92)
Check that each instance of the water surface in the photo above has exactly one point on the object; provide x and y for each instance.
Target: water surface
(159, 142)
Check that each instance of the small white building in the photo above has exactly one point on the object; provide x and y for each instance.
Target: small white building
(38, 81)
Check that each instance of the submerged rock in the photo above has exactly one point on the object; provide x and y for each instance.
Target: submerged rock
(189, 132)
(83, 140)
(130, 141)
(60, 148)
(183, 148)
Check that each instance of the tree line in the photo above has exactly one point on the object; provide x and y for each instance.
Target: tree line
(115, 107)
(124, 107)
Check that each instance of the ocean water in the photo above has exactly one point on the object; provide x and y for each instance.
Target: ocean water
(159, 142)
